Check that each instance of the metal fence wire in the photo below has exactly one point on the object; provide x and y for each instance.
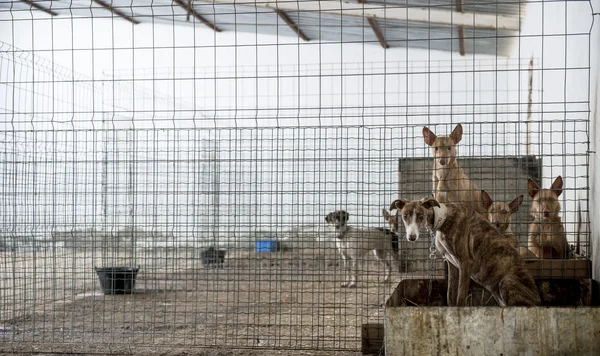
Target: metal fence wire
(193, 157)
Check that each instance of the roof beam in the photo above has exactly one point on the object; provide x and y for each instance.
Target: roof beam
(378, 33)
(190, 10)
(291, 24)
(410, 14)
(40, 7)
(115, 11)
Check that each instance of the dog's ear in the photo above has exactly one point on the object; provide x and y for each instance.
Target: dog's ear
(328, 218)
(486, 200)
(429, 136)
(456, 134)
(398, 204)
(430, 203)
(557, 186)
(385, 213)
(515, 204)
(532, 188)
(344, 216)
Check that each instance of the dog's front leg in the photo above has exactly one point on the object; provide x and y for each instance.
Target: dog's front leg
(452, 284)
(464, 278)
(346, 272)
(353, 272)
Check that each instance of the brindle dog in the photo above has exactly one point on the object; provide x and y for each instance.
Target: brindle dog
(475, 249)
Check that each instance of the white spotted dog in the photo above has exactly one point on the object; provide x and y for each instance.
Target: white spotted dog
(354, 243)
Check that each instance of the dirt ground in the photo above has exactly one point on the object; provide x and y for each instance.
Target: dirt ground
(255, 304)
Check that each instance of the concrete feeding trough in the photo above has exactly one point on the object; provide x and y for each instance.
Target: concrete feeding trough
(492, 331)
(418, 322)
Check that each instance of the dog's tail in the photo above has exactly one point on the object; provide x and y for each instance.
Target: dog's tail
(394, 237)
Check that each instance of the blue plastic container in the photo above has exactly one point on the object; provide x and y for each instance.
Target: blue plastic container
(266, 245)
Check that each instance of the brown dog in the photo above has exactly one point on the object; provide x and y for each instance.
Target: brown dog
(547, 238)
(500, 213)
(450, 183)
(474, 249)
(392, 220)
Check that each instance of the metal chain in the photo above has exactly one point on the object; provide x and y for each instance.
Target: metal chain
(432, 258)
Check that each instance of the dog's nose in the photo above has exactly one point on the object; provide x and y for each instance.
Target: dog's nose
(412, 237)
(546, 214)
(497, 224)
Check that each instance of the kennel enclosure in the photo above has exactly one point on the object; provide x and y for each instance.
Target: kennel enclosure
(165, 135)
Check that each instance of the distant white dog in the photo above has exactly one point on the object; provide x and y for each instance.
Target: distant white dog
(354, 244)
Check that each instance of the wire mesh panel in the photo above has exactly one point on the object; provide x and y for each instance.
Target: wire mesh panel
(185, 174)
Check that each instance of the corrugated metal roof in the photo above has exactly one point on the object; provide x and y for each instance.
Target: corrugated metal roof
(316, 25)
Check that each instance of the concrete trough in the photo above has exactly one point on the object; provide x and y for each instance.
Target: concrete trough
(492, 331)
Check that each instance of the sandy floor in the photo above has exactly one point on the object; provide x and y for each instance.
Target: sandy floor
(283, 300)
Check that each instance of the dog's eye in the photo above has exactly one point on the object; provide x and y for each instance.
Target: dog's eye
(448, 148)
(419, 216)
(436, 148)
(406, 216)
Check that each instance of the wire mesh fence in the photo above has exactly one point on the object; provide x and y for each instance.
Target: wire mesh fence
(205, 165)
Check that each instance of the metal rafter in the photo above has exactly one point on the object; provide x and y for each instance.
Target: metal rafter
(190, 10)
(115, 11)
(40, 7)
(378, 32)
(291, 24)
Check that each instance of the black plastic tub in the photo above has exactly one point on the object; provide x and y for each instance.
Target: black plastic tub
(117, 280)
(213, 257)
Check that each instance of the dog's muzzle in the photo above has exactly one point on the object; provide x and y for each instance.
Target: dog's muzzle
(411, 237)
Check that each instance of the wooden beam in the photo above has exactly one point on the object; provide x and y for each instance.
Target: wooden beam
(431, 15)
(39, 7)
(291, 24)
(115, 11)
(461, 30)
(378, 33)
(190, 10)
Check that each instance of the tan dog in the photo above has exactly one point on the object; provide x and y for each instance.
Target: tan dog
(474, 249)
(547, 238)
(500, 213)
(450, 183)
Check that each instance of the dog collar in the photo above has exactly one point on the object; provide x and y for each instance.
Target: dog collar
(439, 216)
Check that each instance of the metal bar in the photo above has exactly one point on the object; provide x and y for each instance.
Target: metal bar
(292, 25)
(409, 14)
(198, 17)
(461, 40)
(39, 7)
(461, 30)
(378, 32)
(115, 11)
